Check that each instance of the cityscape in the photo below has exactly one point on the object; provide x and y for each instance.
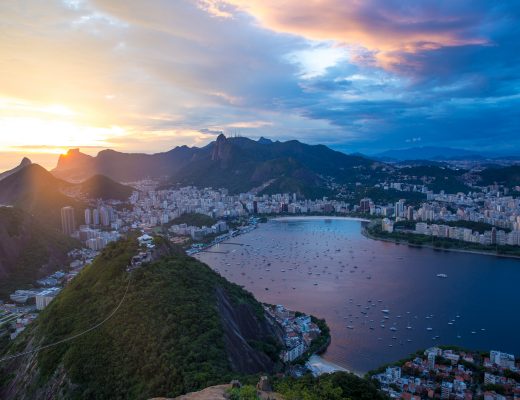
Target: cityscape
(259, 200)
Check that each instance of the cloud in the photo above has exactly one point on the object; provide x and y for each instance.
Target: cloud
(389, 28)
(358, 75)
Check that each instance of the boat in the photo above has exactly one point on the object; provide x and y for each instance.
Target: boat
(442, 276)
(429, 329)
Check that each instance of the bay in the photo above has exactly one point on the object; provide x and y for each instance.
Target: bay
(327, 268)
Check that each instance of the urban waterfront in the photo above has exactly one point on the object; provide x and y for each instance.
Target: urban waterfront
(381, 300)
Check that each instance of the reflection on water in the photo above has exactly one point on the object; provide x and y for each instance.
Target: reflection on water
(382, 301)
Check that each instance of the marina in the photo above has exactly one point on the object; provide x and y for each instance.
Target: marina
(320, 266)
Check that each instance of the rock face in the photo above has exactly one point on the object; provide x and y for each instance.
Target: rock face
(241, 328)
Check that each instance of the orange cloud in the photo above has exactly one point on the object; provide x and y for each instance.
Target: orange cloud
(384, 28)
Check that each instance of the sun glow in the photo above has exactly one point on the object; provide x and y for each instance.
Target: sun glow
(54, 128)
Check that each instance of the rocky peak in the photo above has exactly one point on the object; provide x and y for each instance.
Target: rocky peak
(25, 162)
(264, 140)
(221, 149)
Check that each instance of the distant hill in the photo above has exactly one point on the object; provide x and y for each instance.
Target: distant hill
(238, 163)
(38, 192)
(427, 153)
(507, 176)
(25, 162)
(28, 250)
(180, 327)
(122, 167)
(102, 187)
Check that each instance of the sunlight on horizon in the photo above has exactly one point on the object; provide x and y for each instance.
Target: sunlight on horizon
(52, 128)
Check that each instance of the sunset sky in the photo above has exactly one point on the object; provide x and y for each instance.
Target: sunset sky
(359, 75)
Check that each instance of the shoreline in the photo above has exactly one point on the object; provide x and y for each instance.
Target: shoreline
(318, 365)
(316, 217)
(426, 246)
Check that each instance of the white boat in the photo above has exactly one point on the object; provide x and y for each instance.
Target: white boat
(442, 276)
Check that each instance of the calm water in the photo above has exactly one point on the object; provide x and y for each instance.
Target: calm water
(327, 268)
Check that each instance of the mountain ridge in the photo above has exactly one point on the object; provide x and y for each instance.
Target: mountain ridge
(236, 163)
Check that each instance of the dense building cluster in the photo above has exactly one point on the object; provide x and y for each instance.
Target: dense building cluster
(299, 331)
(453, 374)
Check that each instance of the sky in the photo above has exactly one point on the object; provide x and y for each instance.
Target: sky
(356, 75)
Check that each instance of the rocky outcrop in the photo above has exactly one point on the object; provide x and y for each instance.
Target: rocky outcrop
(242, 328)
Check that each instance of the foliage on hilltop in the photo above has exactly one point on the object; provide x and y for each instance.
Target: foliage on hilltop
(166, 339)
(194, 219)
(336, 386)
(508, 176)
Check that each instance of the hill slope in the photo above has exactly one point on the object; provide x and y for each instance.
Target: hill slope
(25, 162)
(181, 327)
(102, 187)
(37, 191)
(28, 250)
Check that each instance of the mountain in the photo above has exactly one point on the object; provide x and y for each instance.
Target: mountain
(37, 191)
(427, 153)
(122, 167)
(102, 187)
(236, 163)
(25, 162)
(28, 249)
(174, 326)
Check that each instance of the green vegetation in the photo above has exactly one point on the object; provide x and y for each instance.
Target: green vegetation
(194, 219)
(166, 338)
(436, 178)
(302, 188)
(27, 245)
(336, 386)
(507, 176)
(390, 196)
(246, 392)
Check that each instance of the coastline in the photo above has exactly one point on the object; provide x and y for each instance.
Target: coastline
(426, 246)
(318, 365)
(316, 217)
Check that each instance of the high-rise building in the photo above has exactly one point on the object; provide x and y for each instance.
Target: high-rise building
(95, 216)
(105, 216)
(88, 217)
(68, 221)
(364, 205)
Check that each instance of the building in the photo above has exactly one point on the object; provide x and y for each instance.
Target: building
(68, 220)
(364, 205)
(503, 360)
(88, 216)
(446, 389)
(45, 297)
(431, 361)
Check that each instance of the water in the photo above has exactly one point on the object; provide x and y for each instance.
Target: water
(354, 278)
